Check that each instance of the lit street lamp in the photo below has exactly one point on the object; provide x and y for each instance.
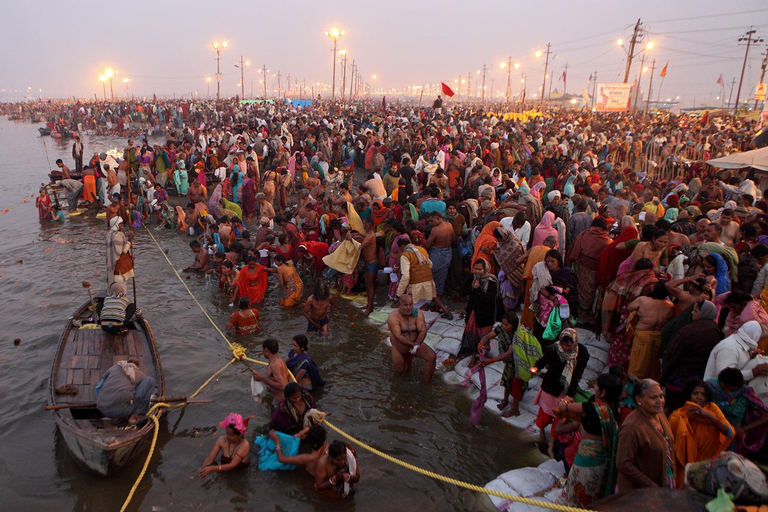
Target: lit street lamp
(208, 81)
(334, 34)
(218, 47)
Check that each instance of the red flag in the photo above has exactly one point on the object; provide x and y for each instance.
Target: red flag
(720, 80)
(664, 71)
(447, 90)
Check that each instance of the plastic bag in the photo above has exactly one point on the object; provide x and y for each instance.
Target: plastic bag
(554, 325)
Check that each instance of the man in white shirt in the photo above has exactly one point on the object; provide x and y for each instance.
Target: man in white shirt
(519, 226)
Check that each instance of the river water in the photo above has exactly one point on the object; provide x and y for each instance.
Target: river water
(41, 270)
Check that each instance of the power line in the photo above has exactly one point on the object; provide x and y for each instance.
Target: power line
(708, 16)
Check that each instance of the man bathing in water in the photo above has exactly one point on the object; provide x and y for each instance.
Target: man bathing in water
(277, 372)
(317, 309)
(407, 332)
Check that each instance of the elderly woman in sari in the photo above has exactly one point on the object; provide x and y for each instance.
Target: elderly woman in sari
(744, 411)
(43, 203)
(645, 454)
(585, 253)
(119, 261)
(591, 476)
(482, 288)
(565, 362)
(701, 430)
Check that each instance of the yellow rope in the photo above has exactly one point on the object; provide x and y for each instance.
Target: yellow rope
(453, 481)
(149, 457)
(238, 352)
(221, 333)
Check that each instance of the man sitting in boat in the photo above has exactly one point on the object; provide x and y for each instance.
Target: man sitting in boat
(124, 392)
(117, 309)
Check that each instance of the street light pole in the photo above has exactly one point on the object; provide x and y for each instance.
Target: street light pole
(650, 88)
(485, 69)
(546, 66)
(218, 47)
(208, 82)
(631, 53)
(264, 72)
(509, 77)
(104, 85)
(343, 72)
(352, 81)
(334, 34)
(762, 73)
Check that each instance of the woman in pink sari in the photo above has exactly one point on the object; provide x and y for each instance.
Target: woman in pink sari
(544, 229)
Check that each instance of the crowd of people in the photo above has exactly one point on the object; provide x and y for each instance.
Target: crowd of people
(606, 222)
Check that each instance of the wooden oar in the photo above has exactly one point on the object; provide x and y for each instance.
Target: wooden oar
(169, 399)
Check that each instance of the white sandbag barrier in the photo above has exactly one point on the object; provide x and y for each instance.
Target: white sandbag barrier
(542, 483)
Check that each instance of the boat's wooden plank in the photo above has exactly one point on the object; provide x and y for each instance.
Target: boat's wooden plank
(78, 376)
(117, 358)
(94, 362)
(95, 377)
(77, 361)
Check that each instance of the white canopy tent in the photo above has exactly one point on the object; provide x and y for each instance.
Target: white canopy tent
(757, 158)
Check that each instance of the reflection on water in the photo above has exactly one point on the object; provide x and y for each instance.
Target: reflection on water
(427, 425)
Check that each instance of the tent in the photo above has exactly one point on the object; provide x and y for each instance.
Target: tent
(757, 158)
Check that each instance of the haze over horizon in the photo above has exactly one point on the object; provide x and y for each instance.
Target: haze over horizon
(165, 48)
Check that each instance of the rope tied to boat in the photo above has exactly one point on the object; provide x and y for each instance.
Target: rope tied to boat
(238, 352)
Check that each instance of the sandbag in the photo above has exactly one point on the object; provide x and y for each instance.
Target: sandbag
(732, 472)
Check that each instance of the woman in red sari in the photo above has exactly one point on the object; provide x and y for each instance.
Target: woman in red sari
(485, 245)
(252, 281)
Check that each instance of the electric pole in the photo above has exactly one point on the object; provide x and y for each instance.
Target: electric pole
(485, 69)
(762, 73)
(288, 82)
(469, 85)
(242, 65)
(631, 53)
(639, 79)
(352, 81)
(279, 84)
(509, 77)
(546, 67)
(650, 88)
(749, 39)
(264, 76)
(343, 73)
(730, 95)
(594, 89)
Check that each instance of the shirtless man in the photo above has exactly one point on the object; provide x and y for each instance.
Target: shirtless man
(316, 438)
(317, 309)
(313, 181)
(371, 260)
(376, 187)
(407, 332)
(277, 372)
(439, 244)
(64, 169)
(698, 237)
(730, 234)
(334, 474)
(196, 192)
(344, 195)
(202, 260)
(653, 312)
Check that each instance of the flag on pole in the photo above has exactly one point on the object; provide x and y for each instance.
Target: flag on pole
(447, 90)
(720, 80)
(664, 71)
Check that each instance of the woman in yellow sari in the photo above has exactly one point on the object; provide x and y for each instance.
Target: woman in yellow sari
(289, 280)
(701, 430)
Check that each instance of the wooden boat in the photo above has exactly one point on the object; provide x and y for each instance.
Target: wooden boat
(44, 131)
(57, 175)
(84, 354)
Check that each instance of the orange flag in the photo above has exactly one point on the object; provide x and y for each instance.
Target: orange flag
(664, 71)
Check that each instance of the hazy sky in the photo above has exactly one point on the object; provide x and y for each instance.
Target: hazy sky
(164, 46)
